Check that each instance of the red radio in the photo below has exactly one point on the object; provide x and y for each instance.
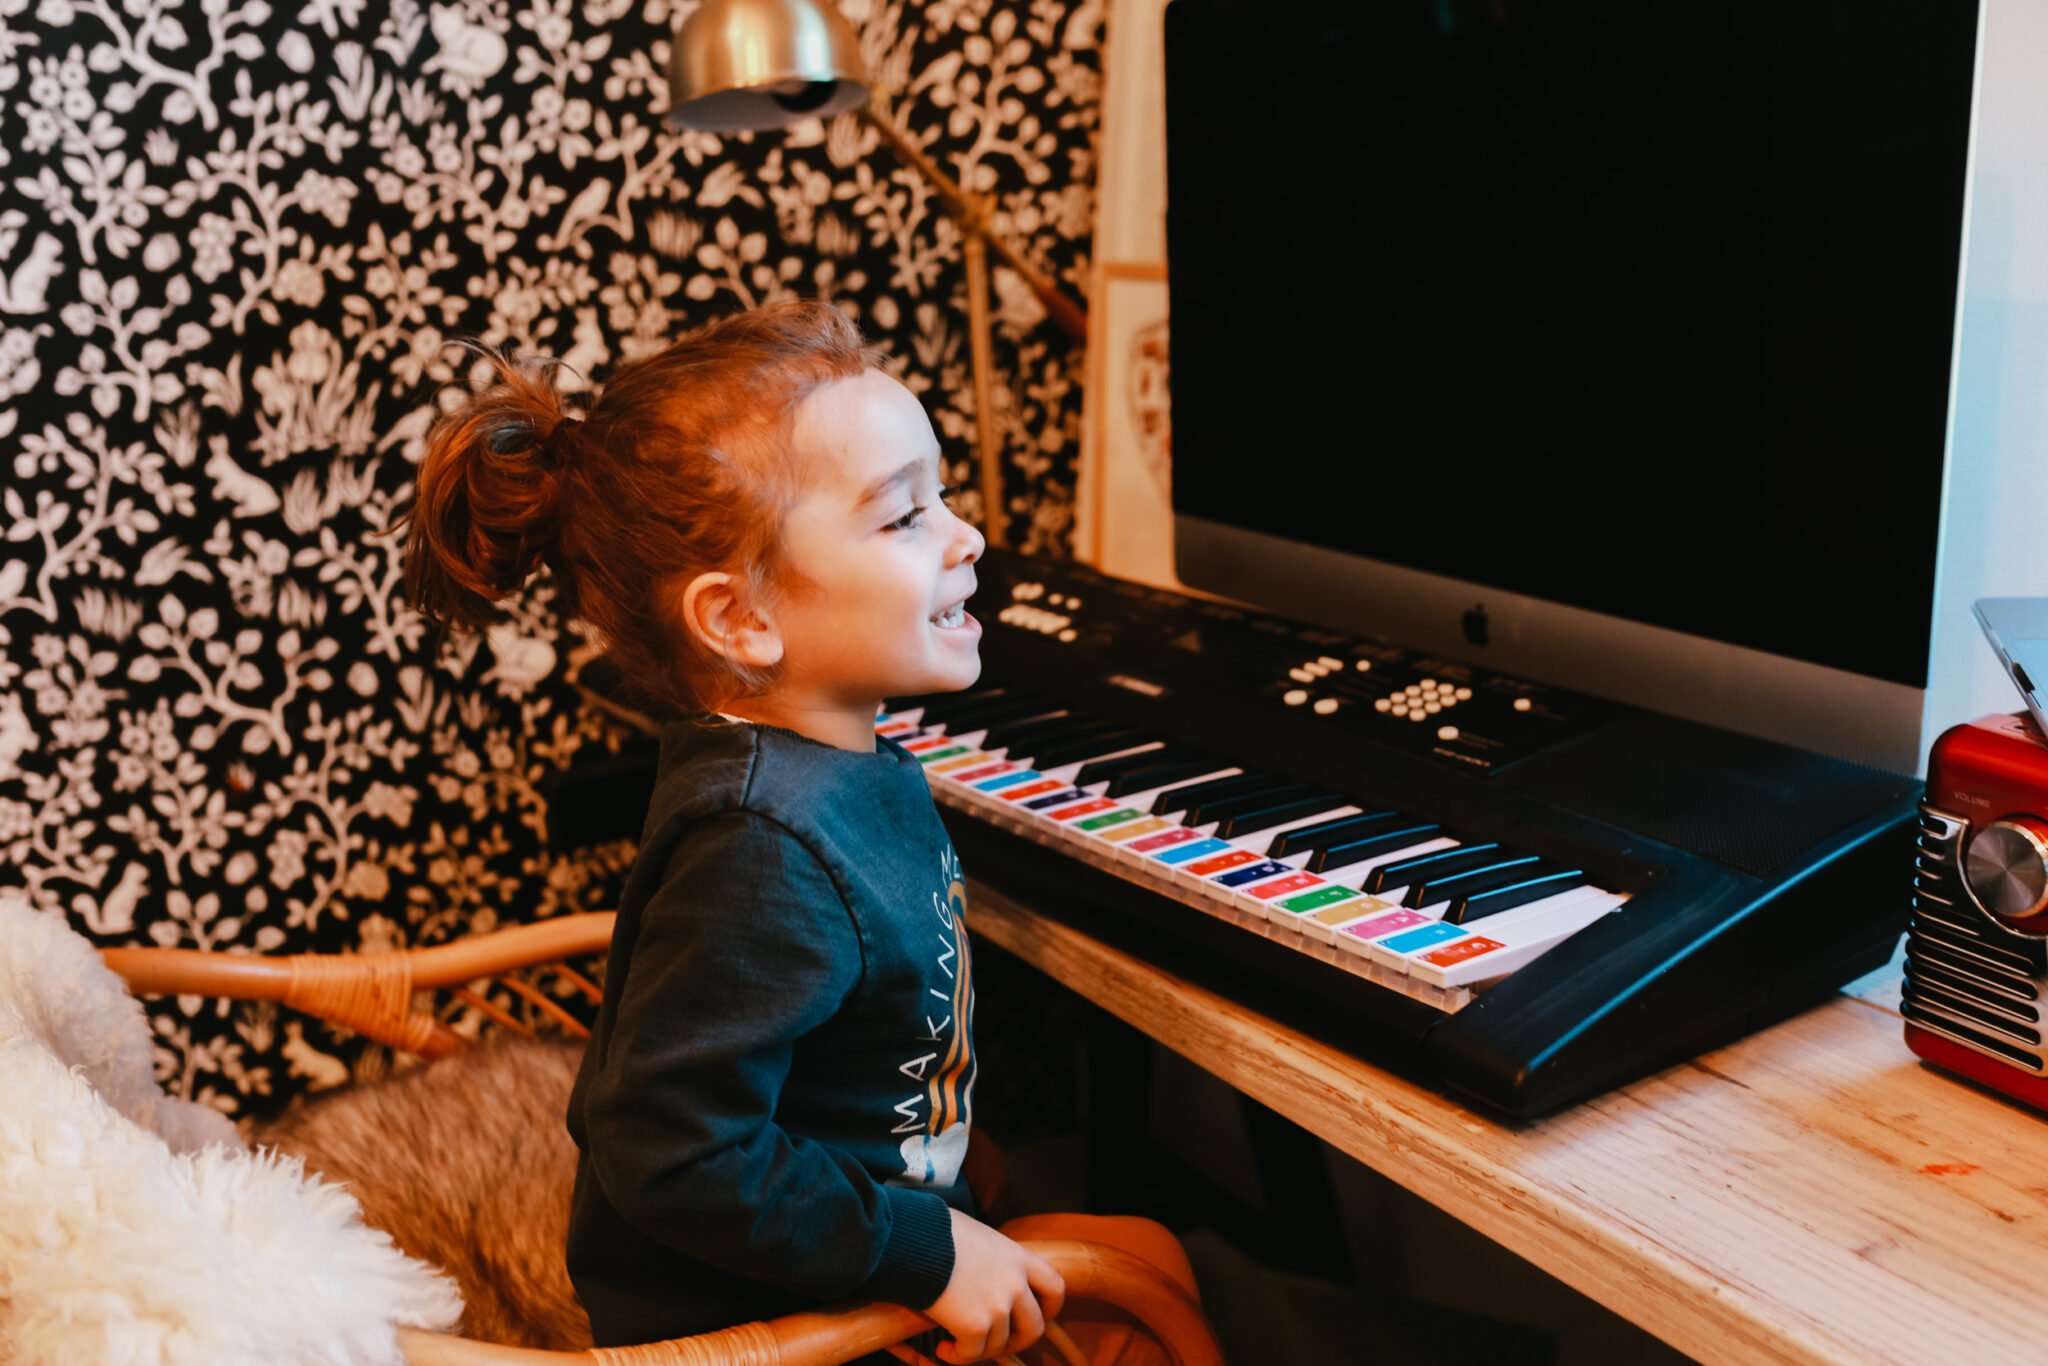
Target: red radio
(1977, 947)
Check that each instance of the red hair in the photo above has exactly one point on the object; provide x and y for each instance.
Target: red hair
(682, 466)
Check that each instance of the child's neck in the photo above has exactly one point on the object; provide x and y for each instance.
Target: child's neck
(827, 724)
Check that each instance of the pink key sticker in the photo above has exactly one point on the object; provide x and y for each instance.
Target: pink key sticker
(1385, 924)
(1222, 863)
(1469, 947)
(1177, 835)
(1280, 886)
(1087, 808)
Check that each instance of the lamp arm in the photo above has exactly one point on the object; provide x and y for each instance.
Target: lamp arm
(973, 213)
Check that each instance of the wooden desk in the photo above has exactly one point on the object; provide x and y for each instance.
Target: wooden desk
(1810, 1194)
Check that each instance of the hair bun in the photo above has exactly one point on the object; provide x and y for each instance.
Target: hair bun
(486, 508)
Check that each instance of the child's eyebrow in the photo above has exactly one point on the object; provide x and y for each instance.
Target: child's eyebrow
(891, 480)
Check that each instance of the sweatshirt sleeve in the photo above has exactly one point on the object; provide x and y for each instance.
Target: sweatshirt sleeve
(745, 947)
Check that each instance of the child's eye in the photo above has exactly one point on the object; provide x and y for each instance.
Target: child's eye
(907, 520)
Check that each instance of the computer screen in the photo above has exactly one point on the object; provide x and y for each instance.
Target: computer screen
(1644, 313)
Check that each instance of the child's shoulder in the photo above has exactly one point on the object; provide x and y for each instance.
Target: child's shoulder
(710, 765)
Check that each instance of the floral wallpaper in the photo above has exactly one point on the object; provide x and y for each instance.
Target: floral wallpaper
(235, 242)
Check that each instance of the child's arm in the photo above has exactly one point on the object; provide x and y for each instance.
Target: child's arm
(744, 949)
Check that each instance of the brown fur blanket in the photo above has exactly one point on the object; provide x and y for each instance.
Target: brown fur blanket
(466, 1163)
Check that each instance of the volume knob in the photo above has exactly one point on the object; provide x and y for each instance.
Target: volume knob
(2006, 867)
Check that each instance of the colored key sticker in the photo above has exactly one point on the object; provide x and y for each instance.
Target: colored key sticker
(1052, 799)
(1037, 789)
(1199, 849)
(934, 755)
(964, 761)
(1385, 924)
(978, 774)
(1321, 897)
(929, 742)
(1436, 932)
(1008, 779)
(1068, 813)
(1345, 912)
(1136, 829)
(1109, 818)
(1280, 886)
(1263, 868)
(1236, 858)
(1178, 835)
(1470, 947)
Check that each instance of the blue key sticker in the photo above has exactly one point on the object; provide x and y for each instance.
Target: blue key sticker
(1237, 877)
(1008, 779)
(1181, 853)
(1435, 933)
(1053, 799)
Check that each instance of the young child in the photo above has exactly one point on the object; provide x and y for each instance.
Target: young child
(776, 1101)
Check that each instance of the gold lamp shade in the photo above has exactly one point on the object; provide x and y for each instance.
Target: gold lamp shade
(740, 64)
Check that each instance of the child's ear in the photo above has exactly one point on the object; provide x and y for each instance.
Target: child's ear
(714, 614)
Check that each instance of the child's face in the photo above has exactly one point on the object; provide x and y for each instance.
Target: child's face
(884, 556)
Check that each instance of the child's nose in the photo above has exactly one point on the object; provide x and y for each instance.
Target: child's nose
(968, 545)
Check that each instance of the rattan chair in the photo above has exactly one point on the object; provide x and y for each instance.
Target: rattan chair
(377, 995)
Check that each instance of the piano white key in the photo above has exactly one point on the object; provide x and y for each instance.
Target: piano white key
(1355, 874)
(1470, 960)
(1392, 951)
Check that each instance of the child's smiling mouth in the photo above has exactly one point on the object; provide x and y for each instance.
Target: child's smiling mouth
(952, 618)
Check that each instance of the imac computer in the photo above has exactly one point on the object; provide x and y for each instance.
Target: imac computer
(1610, 344)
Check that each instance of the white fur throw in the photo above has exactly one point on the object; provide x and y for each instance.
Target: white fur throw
(137, 1229)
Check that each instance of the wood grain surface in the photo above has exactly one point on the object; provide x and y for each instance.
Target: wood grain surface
(1809, 1194)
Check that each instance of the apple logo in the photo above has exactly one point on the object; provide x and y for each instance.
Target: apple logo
(1475, 622)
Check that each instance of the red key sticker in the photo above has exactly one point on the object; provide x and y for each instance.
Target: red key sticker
(920, 746)
(1037, 789)
(1280, 886)
(1470, 947)
(1236, 858)
(1088, 808)
(992, 771)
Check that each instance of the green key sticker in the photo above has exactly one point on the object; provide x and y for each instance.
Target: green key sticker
(1108, 818)
(1316, 900)
(933, 756)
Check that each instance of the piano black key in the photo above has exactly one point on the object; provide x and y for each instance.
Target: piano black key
(1089, 747)
(1176, 799)
(1347, 852)
(1403, 872)
(1103, 769)
(1018, 738)
(1161, 775)
(1283, 789)
(1242, 823)
(944, 701)
(1466, 909)
(1333, 831)
(1511, 867)
(1000, 711)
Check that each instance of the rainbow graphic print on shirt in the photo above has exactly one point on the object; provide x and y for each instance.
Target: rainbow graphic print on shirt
(937, 1117)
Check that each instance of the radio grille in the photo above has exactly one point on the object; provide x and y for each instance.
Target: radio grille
(1969, 978)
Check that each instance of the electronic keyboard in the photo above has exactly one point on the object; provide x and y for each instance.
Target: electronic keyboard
(1516, 891)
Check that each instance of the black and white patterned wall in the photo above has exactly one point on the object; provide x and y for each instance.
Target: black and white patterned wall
(235, 241)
